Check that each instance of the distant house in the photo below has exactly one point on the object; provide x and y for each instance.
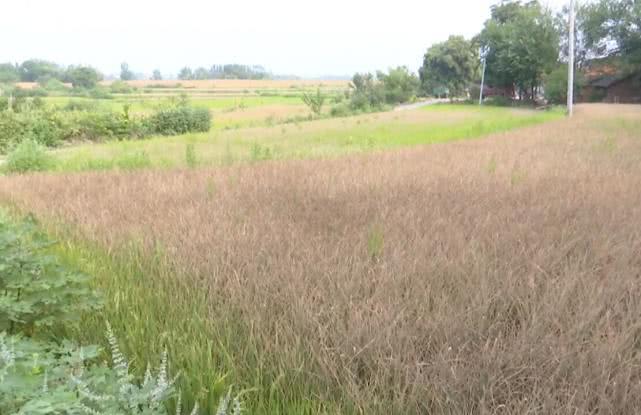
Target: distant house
(614, 89)
(606, 82)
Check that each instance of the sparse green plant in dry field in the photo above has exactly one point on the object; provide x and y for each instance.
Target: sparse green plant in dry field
(314, 101)
(190, 155)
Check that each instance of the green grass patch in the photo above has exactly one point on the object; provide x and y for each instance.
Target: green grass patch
(207, 341)
(314, 139)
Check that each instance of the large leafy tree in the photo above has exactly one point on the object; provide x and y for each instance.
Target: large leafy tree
(613, 27)
(83, 77)
(34, 69)
(399, 85)
(451, 64)
(522, 43)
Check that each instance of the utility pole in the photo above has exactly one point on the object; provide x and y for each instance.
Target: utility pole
(571, 61)
(484, 57)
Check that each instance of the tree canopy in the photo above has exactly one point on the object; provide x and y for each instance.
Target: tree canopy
(83, 77)
(449, 65)
(399, 85)
(33, 70)
(522, 44)
(613, 27)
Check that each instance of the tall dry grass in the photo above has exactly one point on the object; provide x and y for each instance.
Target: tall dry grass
(492, 276)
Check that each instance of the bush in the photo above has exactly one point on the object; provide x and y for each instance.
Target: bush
(28, 156)
(340, 110)
(10, 130)
(51, 375)
(41, 126)
(179, 120)
(36, 290)
(53, 85)
(314, 101)
(121, 87)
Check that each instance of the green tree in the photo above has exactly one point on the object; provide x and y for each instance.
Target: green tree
(9, 73)
(613, 28)
(201, 73)
(157, 76)
(34, 69)
(185, 74)
(452, 64)
(582, 54)
(523, 45)
(83, 77)
(556, 84)
(125, 73)
(399, 85)
(366, 93)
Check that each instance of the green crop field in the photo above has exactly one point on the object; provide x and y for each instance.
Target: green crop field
(321, 138)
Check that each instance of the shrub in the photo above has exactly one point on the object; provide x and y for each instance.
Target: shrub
(340, 110)
(121, 87)
(179, 119)
(10, 130)
(314, 101)
(190, 155)
(28, 156)
(53, 85)
(55, 376)
(42, 127)
(35, 289)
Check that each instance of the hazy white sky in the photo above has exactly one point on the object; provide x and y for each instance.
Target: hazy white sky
(330, 37)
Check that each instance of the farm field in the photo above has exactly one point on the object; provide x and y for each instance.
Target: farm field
(497, 275)
(233, 111)
(316, 139)
(233, 103)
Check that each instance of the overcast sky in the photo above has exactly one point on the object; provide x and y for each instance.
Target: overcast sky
(331, 37)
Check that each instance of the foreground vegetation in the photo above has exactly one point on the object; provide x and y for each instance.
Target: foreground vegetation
(468, 277)
(43, 373)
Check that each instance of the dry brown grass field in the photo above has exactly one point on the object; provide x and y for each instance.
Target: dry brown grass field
(491, 276)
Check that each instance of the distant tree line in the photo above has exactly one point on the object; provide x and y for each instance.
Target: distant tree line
(229, 71)
(42, 71)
